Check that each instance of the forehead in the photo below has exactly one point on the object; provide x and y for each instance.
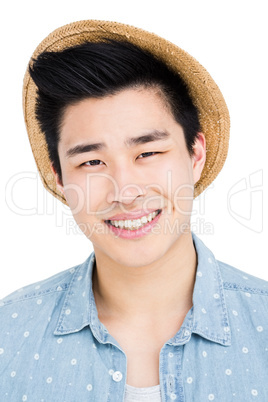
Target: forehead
(116, 117)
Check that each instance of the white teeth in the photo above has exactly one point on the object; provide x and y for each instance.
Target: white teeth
(134, 223)
(144, 219)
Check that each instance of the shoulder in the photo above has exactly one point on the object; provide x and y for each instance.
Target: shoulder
(237, 280)
(34, 311)
(47, 289)
(232, 278)
(246, 296)
(246, 302)
(56, 283)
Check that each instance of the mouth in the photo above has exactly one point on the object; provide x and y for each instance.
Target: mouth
(134, 224)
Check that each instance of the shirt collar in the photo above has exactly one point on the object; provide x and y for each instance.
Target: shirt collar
(208, 316)
(79, 308)
(76, 311)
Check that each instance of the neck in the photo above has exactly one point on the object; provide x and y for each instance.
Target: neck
(161, 289)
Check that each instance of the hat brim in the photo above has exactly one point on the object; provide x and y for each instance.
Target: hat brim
(213, 112)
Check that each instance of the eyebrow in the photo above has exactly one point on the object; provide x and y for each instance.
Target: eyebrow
(156, 135)
(80, 149)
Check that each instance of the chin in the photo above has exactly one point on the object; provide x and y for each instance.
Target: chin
(138, 257)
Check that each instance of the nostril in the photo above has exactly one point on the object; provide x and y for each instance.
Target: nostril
(127, 194)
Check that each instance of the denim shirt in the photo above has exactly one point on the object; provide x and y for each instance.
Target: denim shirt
(53, 347)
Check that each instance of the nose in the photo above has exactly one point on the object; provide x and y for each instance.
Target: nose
(127, 187)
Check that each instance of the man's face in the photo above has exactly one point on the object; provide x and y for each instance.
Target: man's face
(127, 175)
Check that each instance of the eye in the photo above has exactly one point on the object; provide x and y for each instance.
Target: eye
(94, 162)
(146, 154)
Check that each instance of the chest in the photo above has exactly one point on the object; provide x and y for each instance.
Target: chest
(77, 367)
(142, 345)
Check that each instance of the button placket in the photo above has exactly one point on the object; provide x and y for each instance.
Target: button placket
(117, 376)
(171, 372)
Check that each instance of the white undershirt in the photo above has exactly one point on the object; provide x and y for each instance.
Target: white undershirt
(148, 394)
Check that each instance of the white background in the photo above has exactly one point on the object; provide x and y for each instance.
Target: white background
(230, 39)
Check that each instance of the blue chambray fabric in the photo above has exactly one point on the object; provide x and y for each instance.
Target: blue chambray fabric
(53, 348)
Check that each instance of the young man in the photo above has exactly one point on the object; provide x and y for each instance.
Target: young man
(132, 128)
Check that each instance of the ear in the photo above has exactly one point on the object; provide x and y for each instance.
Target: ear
(57, 179)
(199, 156)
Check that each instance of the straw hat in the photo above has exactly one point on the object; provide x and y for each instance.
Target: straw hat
(213, 112)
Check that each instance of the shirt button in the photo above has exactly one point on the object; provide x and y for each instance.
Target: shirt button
(117, 376)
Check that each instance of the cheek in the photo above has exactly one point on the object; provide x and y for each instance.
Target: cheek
(86, 194)
(75, 197)
(179, 187)
(176, 176)
(183, 201)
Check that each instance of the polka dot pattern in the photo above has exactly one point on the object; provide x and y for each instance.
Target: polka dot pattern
(189, 380)
(53, 327)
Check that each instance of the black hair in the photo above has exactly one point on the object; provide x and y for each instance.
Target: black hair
(95, 70)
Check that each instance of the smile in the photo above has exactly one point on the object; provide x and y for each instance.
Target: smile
(134, 224)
